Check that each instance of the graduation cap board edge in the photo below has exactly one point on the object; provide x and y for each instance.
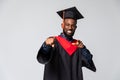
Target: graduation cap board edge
(71, 12)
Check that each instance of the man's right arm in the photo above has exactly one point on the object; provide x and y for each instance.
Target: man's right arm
(44, 53)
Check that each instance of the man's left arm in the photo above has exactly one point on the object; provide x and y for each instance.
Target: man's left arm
(85, 55)
(87, 59)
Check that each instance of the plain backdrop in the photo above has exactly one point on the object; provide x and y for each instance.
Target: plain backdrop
(25, 25)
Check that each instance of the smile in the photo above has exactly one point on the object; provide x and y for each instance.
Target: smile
(69, 31)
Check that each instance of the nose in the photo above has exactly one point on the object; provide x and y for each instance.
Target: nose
(70, 27)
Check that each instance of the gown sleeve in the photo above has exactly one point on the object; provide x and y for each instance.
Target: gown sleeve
(44, 54)
(87, 59)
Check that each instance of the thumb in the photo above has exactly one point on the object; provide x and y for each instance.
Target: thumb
(53, 45)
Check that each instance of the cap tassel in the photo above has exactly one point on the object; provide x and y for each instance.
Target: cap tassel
(63, 17)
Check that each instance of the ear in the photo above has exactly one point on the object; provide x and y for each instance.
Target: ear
(62, 25)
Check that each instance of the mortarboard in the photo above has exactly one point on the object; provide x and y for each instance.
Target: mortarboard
(70, 13)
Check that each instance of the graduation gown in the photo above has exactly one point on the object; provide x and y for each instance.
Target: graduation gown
(59, 65)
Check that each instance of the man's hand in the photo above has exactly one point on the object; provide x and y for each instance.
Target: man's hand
(50, 41)
(78, 43)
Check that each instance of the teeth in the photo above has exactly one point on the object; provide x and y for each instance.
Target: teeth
(69, 31)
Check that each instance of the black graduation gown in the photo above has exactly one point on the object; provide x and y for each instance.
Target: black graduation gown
(59, 65)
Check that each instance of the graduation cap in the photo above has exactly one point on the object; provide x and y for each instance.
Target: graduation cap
(70, 13)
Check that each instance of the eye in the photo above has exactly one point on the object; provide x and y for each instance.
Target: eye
(67, 24)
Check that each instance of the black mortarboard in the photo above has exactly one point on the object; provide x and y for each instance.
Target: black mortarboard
(70, 13)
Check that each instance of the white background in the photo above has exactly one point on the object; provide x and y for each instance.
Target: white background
(25, 24)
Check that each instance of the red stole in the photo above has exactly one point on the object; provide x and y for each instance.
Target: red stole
(69, 48)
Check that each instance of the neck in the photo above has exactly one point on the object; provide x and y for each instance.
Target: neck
(66, 37)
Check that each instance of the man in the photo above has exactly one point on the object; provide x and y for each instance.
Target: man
(62, 55)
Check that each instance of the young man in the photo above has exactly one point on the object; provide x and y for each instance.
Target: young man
(62, 55)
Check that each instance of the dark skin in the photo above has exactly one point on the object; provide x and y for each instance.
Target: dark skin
(69, 27)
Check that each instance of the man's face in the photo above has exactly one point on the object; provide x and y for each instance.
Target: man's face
(69, 27)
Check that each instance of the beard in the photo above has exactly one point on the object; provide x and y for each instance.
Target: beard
(67, 34)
